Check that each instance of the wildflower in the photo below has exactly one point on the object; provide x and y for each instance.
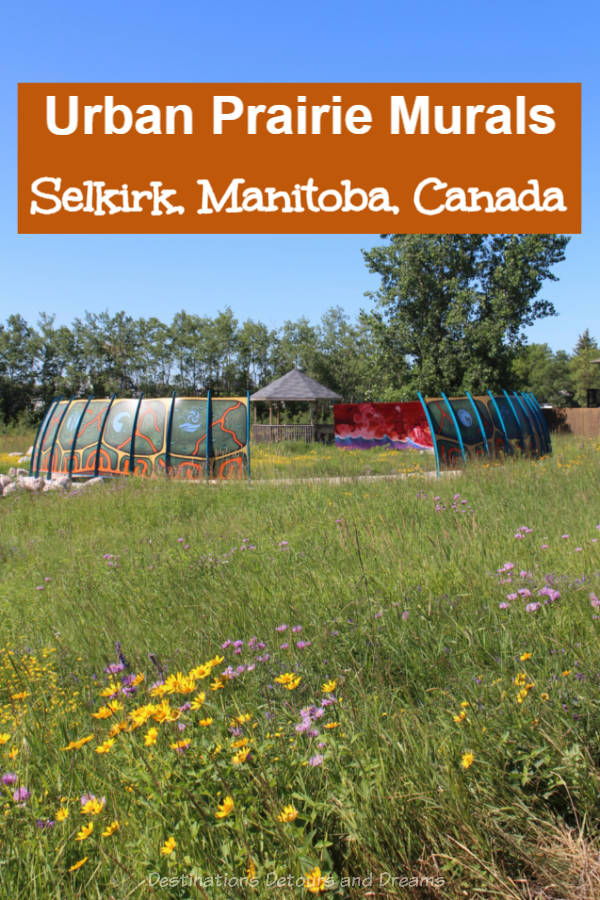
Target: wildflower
(117, 728)
(180, 684)
(9, 778)
(280, 627)
(314, 881)
(460, 717)
(251, 870)
(224, 808)
(329, 686)
(106, 746)
(525, 656)
(90, 806)
(180, 746)
(4, 738)
(205, 722)
(42, 824)
(332, 725)
(20, 696)
(241, 756)
(77, 745)
(168, 846)
(315, 760)
(13, 753)
(110, 829)
(198, 700)
(150, 737)
(61, 814)
(288, 814)
(533, 607)
(78, 865)
(21, 795)
(467, 760)
(289, 680)
(85, 832)
(103, 713)
(217, 684)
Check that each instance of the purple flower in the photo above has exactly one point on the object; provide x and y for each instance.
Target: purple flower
(405, 615)
(594, 600)
(225, 644)
(9, 778)
(511, 596)
(284, 646)
(565, 537)
(533, 607)
(302, 644)
(296, 628)
(280, 627)
(21, 795)
(316, 760)
(543, 546)
(113, 668)
(45, 823)
(504, 605)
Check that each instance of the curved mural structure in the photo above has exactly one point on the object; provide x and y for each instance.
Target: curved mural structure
(184, 437)
(453, 428)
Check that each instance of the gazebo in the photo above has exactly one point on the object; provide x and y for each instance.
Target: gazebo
(292, 387)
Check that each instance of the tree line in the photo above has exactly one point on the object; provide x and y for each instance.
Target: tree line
(448, 316)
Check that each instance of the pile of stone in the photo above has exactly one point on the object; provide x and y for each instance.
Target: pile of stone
(19, 479)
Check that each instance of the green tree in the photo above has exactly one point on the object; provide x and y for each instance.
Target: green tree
(451, 308)
(584, 373)
(546, 374)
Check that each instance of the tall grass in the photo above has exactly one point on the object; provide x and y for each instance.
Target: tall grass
(462, 757)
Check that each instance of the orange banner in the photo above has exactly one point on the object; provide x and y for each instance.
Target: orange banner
(299, 158)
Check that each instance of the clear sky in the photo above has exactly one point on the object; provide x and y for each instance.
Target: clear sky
(277, 277)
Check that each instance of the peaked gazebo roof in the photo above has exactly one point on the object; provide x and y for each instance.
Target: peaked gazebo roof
(295, 385)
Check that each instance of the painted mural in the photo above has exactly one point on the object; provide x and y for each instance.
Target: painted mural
(184, 437)
(454, 428)
(397, 426)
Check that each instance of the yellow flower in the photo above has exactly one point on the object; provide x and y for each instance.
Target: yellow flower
(215, 661)
(545, 696)
(217, 684)
(241, 743)
(464, 704)
(331, 725)
(103, 713)
(165, 713)
(180, 684)
(168, 846)
(314, 882)
(20, 696)
(224, 808)
(240, 720)
(110, 690)
(61, 814)
(78, 865)
(76, 745)
(460, 717)
(13, 753)
(106, 746)
(150, 737)
(329, 686)
(289, 680)
(241, 756)
(198, 700)
(525, 656)
(137, 680)
(288, 814)
(200, 672)
(467, 760)
(92, 807)
(85, 832)
(110, 829)
(566, 672)
(180, 745)
(117, 728)
(251, 870)
(4, 738)
(205, 722)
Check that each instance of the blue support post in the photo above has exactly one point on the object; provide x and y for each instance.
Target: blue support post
(479, 422)
(76, 435)
(456, 426)
(248, 432)
(516, 418)
(60, 421)
(101, 435)
(37, 448)
(169, 432)
(501, 420)
(133, 427)
(431, 429)
(208, 435)
(529, 419)
(536, 418)
(542, 418)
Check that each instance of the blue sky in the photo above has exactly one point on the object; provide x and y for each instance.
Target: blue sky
(276, 277)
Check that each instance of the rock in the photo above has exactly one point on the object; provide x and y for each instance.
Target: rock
(53, 486)
(15, 453)
(83, 485)
(11, 488)
(62, 479)
(4, 480)
(32, 484)
(24, 460)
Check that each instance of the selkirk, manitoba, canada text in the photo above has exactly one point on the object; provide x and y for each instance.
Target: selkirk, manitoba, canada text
(96, 198)
(299, 158)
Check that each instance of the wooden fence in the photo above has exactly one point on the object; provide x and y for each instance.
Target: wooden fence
(581, 422)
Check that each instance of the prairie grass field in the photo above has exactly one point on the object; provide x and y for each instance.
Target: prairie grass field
(369, 689)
